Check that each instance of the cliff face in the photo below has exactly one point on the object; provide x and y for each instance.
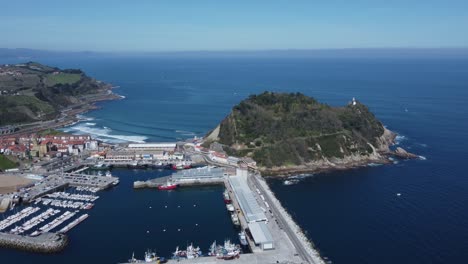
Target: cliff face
(293, 131)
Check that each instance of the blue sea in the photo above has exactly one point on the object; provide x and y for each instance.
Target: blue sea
(352, 216)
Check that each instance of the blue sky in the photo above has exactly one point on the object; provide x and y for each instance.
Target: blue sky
(124, 25)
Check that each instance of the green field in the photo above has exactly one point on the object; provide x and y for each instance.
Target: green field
(32, 102)
(62, 78)
(5, 163)
(50, 132)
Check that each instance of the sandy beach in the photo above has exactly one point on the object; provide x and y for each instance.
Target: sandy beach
(9, 183)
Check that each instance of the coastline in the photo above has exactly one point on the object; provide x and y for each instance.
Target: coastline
(380, 155)
(309, 169)
(70, 115)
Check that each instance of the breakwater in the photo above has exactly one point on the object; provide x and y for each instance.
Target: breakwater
(44, 243)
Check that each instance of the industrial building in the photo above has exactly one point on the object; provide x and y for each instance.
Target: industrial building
(261, 235)
(153, 146)
(204, 173)
(247, 202)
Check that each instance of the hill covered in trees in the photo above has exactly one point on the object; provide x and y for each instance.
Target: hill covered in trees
(294, 131)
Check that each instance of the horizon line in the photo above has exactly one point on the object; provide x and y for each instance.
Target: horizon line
(454, 48)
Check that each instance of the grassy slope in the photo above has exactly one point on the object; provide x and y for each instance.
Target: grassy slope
(5, 163)
(62, 78)
(42, 93)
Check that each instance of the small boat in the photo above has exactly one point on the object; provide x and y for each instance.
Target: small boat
(230, 207)
(167, 186)
(227, 199)
(235, 219)
(243, 239)
(100, 166)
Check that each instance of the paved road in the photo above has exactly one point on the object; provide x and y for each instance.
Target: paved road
(292, 236)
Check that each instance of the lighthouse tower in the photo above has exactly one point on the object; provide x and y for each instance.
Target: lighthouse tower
(354, 101)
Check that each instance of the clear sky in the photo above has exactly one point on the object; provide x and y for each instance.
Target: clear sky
(153, 25)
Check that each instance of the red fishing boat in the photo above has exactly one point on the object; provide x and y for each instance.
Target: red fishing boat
(167, 186)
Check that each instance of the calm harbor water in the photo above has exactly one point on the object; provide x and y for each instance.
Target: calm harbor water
(125, 220)
(352, 216)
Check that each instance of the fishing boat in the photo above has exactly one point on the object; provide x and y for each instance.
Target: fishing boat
(227, 199)
(212, 251)
(150, 257)
(228, 251)
(167, 186)
(230, 207)
(235, 219)
(243, 239)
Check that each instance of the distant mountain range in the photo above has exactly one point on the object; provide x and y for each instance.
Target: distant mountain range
(33, 54)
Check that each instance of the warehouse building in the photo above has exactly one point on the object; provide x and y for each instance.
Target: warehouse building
(261, 235)
(247, 202)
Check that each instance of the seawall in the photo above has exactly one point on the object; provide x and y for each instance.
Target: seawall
(44, 243)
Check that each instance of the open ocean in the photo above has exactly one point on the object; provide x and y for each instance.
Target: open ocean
(352, 216)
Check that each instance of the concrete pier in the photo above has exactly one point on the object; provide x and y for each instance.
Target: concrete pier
(255, 205)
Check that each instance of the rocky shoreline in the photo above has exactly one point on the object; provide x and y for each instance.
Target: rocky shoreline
(380, 155)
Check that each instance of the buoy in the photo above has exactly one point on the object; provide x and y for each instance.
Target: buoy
(398, 194)
(196, 224)
(194, 205)
(165, 206)
(150, 207)
(164, 230)
(178, 229)
(147, 232)
(178, 206)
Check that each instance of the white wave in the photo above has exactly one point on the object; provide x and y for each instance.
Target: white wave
(422, 158)
(422, 145)
(301, 176)
(84, 118)
(374, 164)
(105, 134)
(122, 97)
(399, 139)
(184, 132)
(290, 182)
(90, 124)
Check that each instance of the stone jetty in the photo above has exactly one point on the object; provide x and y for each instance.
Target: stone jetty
(44, 243)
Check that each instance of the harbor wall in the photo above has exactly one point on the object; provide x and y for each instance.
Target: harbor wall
(44, 243)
